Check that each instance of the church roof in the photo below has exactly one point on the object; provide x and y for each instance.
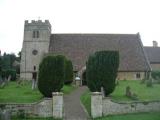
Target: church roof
(153, 54)
(78, 47)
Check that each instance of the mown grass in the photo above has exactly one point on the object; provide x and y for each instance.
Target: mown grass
(143, 92)
(68, 89)
(138, 116)
(86, 101)
(14, 93)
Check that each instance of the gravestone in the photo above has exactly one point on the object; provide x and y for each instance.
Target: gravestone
(5, 115)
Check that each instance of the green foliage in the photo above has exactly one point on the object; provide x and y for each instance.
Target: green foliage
(68, 72)
(156, 75)
(6, 64)
(101, 71)
(9, 72)
(51, 75)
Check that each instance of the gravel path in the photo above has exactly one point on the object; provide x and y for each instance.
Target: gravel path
(73, 109)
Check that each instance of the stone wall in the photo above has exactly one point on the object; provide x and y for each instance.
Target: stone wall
(130, 75)
(114, 108)
(40, 109)
(110, 107)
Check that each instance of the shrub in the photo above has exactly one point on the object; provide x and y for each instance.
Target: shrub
(51, 75)
(155, 74)
(9, 72)
(68, 72)
(101, 71)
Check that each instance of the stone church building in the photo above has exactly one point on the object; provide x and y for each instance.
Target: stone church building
(39, 41)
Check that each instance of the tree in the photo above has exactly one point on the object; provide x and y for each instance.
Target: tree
(101, 71)
(51, 75)
(68, 72)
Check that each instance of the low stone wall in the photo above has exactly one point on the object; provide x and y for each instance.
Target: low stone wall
(113, 108)
(40, 109)
(110, 107)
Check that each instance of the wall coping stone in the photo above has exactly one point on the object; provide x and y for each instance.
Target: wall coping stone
(57, 93)
(96, 93)
(131, 102)
(34, 103)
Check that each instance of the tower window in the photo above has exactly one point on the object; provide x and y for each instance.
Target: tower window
(35, 34)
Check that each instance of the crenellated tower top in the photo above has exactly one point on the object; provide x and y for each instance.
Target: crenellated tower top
(40, 23)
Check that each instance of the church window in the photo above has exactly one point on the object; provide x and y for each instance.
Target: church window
(35, 34)
(138, 75)
(34, 52)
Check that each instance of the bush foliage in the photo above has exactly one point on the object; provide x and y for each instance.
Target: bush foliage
(155, 74)
(51, 75)
(9, 72)
(68, 72)
(101, 71)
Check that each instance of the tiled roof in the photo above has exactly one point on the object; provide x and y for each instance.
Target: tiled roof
(78, 47)
(153, 54)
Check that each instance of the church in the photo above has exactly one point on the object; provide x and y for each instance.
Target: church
(39, 41)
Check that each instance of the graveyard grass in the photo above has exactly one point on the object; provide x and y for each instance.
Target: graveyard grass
(137, 116)
(14, 93)
(143, 92)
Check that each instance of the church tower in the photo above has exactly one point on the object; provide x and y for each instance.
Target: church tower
(35, 45)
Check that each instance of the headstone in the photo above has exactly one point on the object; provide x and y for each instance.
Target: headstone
(5, 115)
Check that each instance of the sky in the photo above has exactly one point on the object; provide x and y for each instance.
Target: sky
(79, 16)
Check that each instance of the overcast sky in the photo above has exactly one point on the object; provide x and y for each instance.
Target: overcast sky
(80, 16)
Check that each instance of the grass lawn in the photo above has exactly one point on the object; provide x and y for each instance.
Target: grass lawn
(35, 119)
(68, 89)
(144, 93)
(14, 93)
(138, 116)
(86, 101)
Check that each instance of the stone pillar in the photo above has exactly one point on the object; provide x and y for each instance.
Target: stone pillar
(57, 104)
(96, 104)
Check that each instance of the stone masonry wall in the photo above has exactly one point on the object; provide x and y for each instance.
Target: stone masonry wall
(114, 108)
(110, 107)
(40, 109)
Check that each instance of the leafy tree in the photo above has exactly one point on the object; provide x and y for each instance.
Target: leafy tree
(68, 72)
(101, 71)
(51, 75)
